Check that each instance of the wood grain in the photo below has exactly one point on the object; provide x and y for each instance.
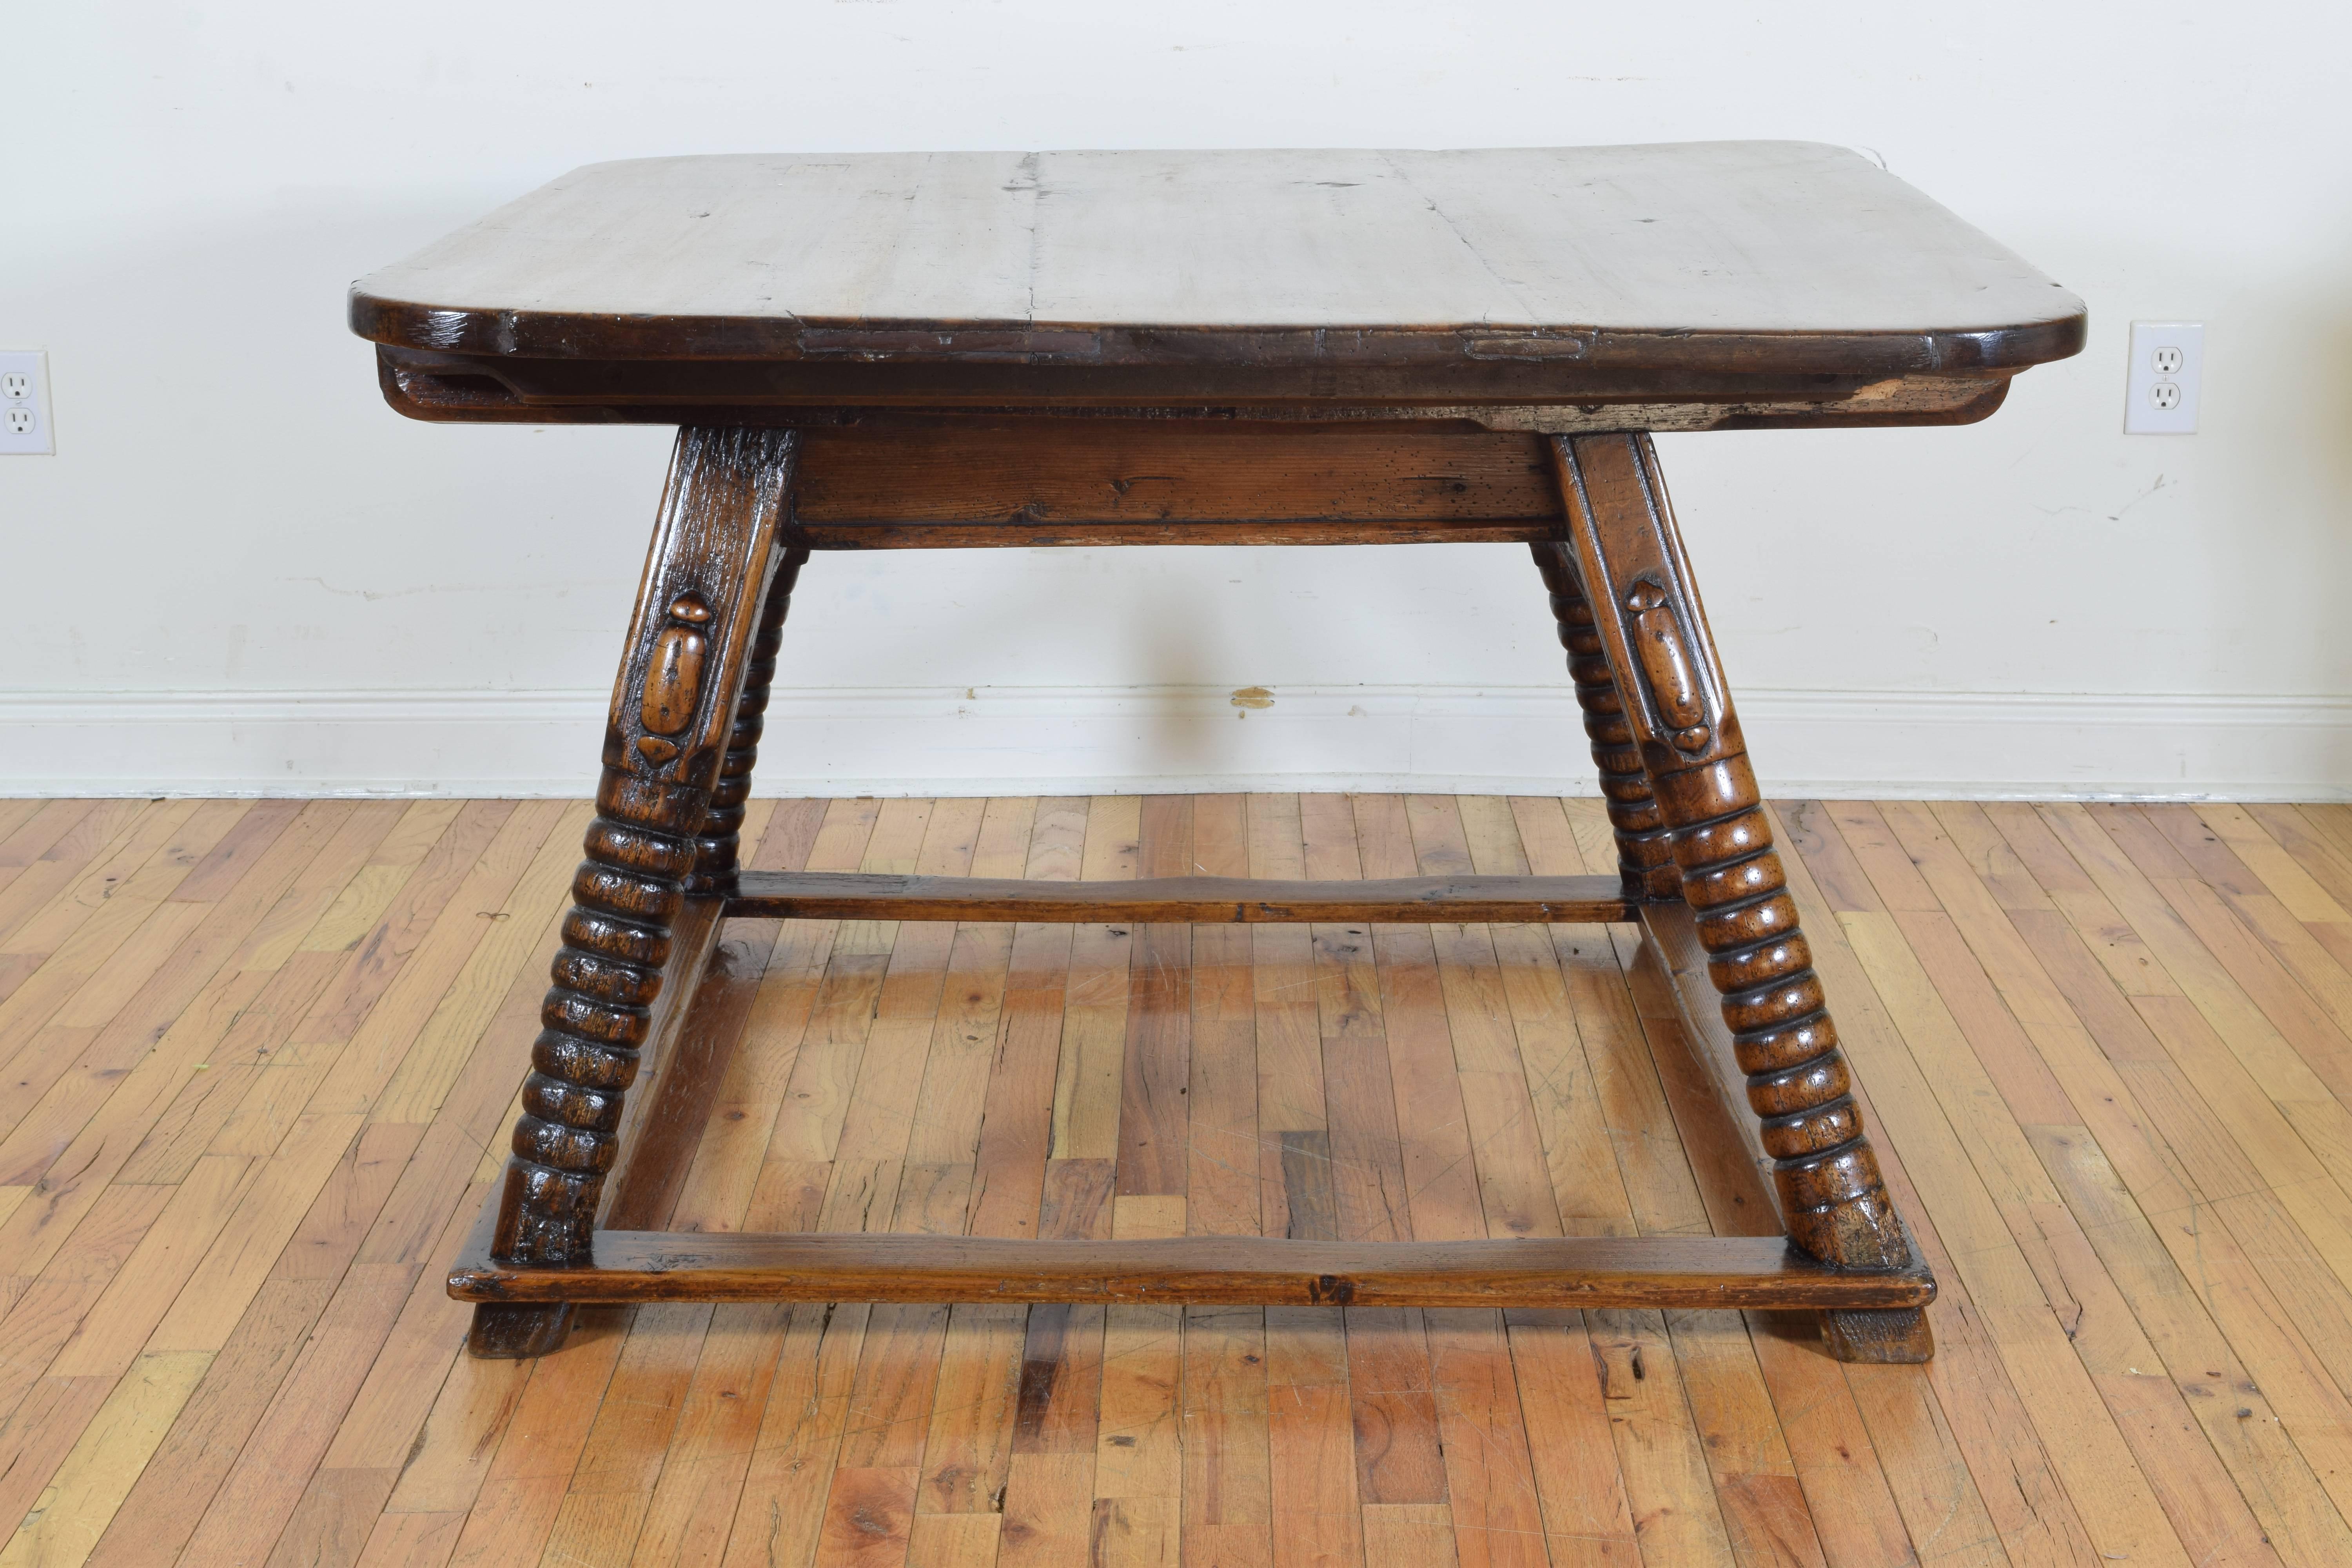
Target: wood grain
(1198, 900)
(1753, 254)
(1064, 471)
(2101, 1131)
(1603, 1271)
(1771, 1010)
(671, 728)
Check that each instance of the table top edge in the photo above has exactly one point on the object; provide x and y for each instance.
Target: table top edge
(509, 333)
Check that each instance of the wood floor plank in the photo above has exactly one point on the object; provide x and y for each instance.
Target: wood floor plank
(539, 1445)
(1490, 1486)
(391, 906)
(2195, 971)
(77, 934)
(1572, 1456)
(825, 1066)
(1225, 1169)
(33, 826)
(177, 1485)
(1489, 1476)
(1315, 1512)
(269, 1051)
(74, 1509)
(1226, 1483)
(1015, 1140)
(94, 972)
(409, 1006)
(2308, 849)
(1089, 1075)
(736, 1140)
(1153, 1127)
(41, 1434)
(2224, 1197)
(262, 1488)
(2028, 1299)
(1137, 1452)
(1049, 1507)
(692, 1511)
(46, 1308)
(434, 1061)
(968, 1447)
(1297, 1190)
(1049, 1514)
(2012, 1474)
(2105, 1216)
(1755, 1473)
(1393, 1400)
(108, 844)
(608, 1489)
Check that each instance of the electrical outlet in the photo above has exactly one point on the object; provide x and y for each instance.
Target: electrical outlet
(2168, 361)
(24, 404)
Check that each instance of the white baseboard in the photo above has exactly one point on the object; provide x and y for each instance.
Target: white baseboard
(1080, 740)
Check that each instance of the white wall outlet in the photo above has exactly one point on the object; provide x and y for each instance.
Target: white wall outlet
(24, 404)
(2168, 365)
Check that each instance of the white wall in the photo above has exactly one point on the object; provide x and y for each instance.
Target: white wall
(242, 571)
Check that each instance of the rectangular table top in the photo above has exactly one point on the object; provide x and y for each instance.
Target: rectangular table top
(1754, 257)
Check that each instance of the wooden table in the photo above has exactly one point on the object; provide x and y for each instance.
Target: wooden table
(898, 350)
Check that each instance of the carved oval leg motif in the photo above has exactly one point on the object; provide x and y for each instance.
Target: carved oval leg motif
(712, 552)
(1679, 715)
(1644, 854)
(1666, 664)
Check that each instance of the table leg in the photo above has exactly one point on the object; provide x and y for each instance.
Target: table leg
(1646, 860)
(699, 609)
(718, 847)
(1637, 583)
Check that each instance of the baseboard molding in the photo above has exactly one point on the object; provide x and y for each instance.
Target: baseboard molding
(1081, 739)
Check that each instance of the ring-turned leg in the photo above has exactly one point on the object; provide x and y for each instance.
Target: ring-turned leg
(718, 847)
(1629, 559)
(1645, 861)
(674, 707)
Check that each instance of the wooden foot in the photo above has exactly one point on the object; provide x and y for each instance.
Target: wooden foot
(504, 1332)
(674, 705)
(1893, 1336)
(1637, 581)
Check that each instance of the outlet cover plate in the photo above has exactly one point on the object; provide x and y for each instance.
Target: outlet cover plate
(24, 404)
(2167, 376)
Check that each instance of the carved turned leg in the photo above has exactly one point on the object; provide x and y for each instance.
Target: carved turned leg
(1645, 861)
(719, 845)
(1629, 558)
(707, 579)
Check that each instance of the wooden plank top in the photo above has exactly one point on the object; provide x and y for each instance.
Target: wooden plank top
(1769, 257)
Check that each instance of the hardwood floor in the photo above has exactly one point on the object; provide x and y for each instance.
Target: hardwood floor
(259, 1060)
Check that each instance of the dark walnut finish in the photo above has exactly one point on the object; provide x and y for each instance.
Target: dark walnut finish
(674, 715)
(1704, 283)
(915, 351)
(1638, 587)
